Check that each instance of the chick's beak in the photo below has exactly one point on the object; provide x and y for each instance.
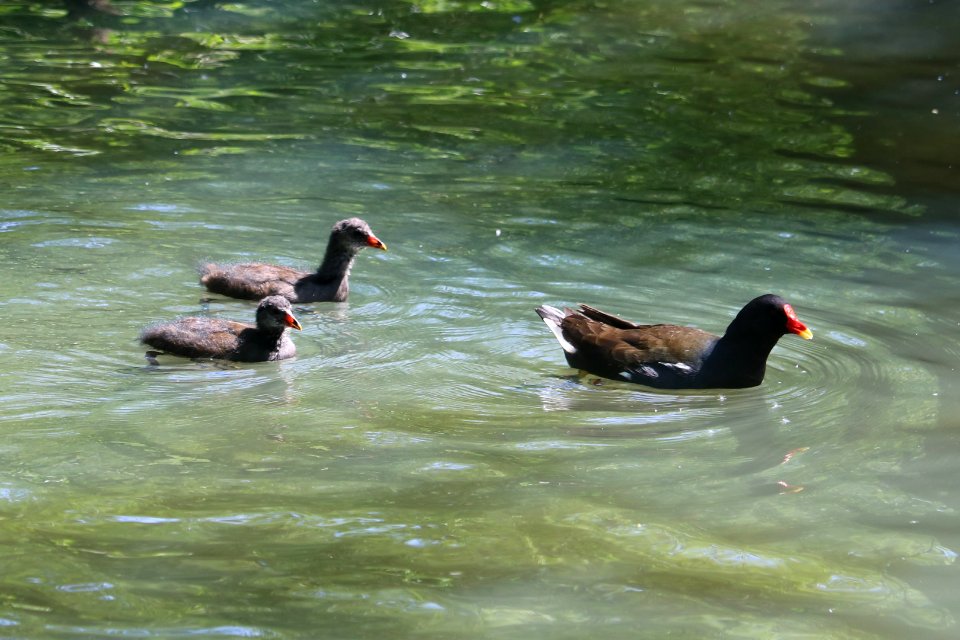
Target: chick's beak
(290, 321)
(375, 242)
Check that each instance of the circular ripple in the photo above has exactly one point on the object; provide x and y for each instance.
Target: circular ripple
(851, 364)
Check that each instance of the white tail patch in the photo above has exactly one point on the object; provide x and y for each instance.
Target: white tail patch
(552, 317)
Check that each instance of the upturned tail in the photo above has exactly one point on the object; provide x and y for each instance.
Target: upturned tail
(553, 318)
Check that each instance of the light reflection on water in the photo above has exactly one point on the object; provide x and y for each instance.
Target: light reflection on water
(437, 389)
(428, 463)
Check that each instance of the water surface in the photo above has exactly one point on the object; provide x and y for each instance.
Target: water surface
(428, 466)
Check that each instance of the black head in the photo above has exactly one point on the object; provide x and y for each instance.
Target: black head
(769, 316)
(275, 312)
(355, 234)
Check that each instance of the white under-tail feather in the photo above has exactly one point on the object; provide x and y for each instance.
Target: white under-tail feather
(552, 317)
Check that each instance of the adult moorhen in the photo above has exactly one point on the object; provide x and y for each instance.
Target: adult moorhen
(229, 340)
(670, 357)
(255, 280)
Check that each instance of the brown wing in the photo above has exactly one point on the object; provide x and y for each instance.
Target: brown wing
(196, 337)
(251, 280)
(667, 343)
(607, 318)
(612, 349)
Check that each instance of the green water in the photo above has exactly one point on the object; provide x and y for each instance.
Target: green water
(428, 466)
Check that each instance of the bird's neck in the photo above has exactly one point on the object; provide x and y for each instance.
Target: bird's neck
(270, 332)
(273, 337)
(337, 262)
(751, 347)
(741, 356)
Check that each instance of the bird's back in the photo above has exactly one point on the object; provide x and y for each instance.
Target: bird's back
(656, 355)
(251, 280)
(197, 337)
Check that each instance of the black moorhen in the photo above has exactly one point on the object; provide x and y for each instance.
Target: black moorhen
(255, 280)
(670, 357)
(229, 340)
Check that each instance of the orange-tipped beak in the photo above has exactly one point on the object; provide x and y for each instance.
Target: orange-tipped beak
(292, 322)
(803, 332)
(375, 242)
(794, 325)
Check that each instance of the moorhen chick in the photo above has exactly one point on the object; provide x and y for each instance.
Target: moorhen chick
(667, 356)
(255, 280)
(229, 340)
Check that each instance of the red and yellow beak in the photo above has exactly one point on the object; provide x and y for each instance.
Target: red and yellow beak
(375, 242)
(290, 321)
(794, 325)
